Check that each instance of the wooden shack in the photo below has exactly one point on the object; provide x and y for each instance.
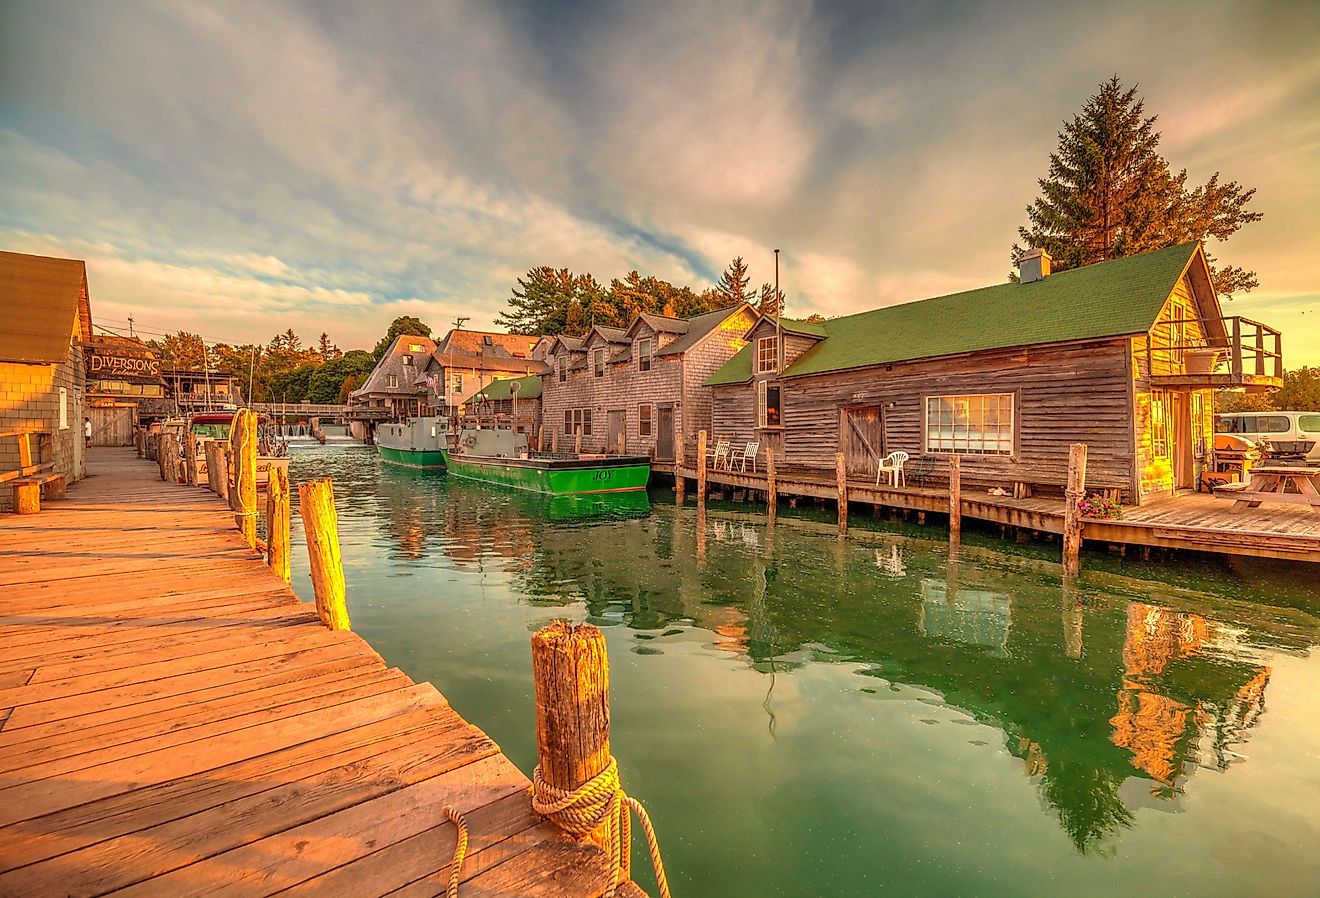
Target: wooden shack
(1124, 356)
(45, 316)
(513, 402)
(644, 381)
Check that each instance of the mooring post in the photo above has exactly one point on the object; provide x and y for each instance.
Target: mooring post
(771, 487)
(1072, 516)
(577, 443)
(161, 454)
(554, 440)
(955, 499)
(190, 457)
(571, 673)
(841, 472)
(277, 522)
(540, 438)
(623, 443)
(212, 466)
(701, 466)
(321, 525)
(245, 473)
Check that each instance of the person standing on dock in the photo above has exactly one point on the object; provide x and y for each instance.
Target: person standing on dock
(87, 432)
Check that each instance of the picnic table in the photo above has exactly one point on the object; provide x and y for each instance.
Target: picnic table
(1270, 483)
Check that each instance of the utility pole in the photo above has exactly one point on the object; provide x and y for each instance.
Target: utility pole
(779, 318)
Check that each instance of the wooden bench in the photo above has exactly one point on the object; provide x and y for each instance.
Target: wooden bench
(28, 490)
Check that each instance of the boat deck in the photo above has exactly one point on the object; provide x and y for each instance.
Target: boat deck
(173, 722)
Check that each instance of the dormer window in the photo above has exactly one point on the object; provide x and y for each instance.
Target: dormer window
(561, 368)
(414, 347)
(767, 355)
(407, 360)
(598, 362)
(644, 354)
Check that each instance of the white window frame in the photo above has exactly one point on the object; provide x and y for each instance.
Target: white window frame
(644, 358)
(456, 382)
(392, 381)
(561, 368)
(762, 407)
(761, 344)
(598, 363)
(947, 435)
(1159, 424)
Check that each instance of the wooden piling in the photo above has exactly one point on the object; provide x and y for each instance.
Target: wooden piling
(680, 486)
(1072, 516)
(571, 675)
(321, 525)
(701, 466)
(955, 498)
(841, 473)
(190, 457)
(277, 522)
(577, 443)
(554, 440)
(27, 498)
(623, 443)
(540, 438)
(245, 473)
(771, 487)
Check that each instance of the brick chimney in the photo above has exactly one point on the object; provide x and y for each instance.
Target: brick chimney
(1034, 266)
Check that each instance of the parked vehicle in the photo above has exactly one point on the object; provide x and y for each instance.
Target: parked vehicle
(1274, 427)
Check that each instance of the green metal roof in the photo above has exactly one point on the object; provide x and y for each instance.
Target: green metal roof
(529, 388)
(1109, 299)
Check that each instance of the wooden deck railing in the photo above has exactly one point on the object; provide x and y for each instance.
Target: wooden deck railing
(1249, 348)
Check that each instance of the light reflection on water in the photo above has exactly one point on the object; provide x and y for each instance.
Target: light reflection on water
(804, 716)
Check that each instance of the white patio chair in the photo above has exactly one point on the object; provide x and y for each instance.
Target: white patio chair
(721, 452)
(892, 465)
(749, 451)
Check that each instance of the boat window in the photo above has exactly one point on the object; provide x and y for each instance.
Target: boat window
(978, 424)
(1308, 423)
(644, 354)
(767, 355)
(644, 420)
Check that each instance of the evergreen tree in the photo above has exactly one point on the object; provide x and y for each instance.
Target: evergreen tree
(326, 349)
(1111, 194)
(734, 283)
(771, 302)
(404, 324)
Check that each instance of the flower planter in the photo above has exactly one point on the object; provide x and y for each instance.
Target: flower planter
(1201, 361)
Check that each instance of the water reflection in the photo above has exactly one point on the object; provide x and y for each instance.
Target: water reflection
(1103, 698)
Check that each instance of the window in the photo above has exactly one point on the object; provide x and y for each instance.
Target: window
(1265, 424)
(768, 409)
(391, 380)
(1308, 423)
(598, 362)
(644, 420)
(1159, 424)
(975, 424)
(561, 368)
(456, 382)
(1228, 424)
(644, 354)
(407, 360)
(575, 418)
(414, 347)
(767, 355)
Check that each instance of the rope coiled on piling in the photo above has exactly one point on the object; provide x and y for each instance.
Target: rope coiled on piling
(600, 801)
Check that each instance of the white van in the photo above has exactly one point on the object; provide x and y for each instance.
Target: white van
(1257, 426)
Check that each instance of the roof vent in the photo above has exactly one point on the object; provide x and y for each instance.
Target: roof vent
(1034, 266)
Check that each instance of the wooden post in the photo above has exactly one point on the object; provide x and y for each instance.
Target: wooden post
(577, 443)
(140, 440)
(841, 471)
(161, 454)
(554, 440)
(571, 674)
(955, 498)
(277, 522)
(1072, 518)
(27, 497)
(321, 525)
(190, 457)
(771, 486)
(701, 466)
(25, 450)
(212, 449)
(680, 451)
(245, 474)
(220, 475)
(623, 443)
(540, 438)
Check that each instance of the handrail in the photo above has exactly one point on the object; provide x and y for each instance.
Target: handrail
(1248, 343)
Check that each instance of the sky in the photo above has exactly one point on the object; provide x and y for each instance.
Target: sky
(235, 169)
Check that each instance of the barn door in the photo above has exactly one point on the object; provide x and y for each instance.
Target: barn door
(613, 427)
(664, 433)
(862, 439)
(112, 425)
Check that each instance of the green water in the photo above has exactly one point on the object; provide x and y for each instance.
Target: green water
(805, 717)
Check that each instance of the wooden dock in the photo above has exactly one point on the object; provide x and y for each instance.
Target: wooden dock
(173, 721)
(1195, 521)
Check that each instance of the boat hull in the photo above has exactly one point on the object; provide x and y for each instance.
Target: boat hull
(556, 478)
(425, 459)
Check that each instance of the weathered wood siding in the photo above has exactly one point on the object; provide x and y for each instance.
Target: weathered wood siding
(699, 363)
(1063, 394)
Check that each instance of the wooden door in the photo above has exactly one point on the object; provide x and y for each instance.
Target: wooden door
(664, 433)
(862, 439)
(113, 425)
(1181, 450)
(615, 423)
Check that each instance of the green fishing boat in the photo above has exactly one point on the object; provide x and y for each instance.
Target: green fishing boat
(416, 443)
(501, 457)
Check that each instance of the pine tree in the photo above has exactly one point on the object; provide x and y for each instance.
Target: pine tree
(1111, 194)
(326, 349)
(734, 283)
(771, 302)
(404, 324)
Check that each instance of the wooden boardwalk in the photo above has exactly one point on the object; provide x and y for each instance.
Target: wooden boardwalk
(174, 722)
(1194, 521)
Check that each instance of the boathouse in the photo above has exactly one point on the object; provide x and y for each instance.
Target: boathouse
(392, 389)
(1123, 356)
(45, 316)
(643, 381)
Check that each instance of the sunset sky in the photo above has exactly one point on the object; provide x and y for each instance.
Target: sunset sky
(238, 168)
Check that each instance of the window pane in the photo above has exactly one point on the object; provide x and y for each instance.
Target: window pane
(1309, 423)
(978, 423)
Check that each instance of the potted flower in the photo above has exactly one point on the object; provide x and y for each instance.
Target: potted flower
(1202, 358)
(1098, 505)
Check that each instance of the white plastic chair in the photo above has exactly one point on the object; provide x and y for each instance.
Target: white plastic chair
(749, 451)
(721, 452)
(892, 464)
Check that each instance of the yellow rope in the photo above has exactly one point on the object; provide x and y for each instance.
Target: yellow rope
(460, 850)
(600, 802)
